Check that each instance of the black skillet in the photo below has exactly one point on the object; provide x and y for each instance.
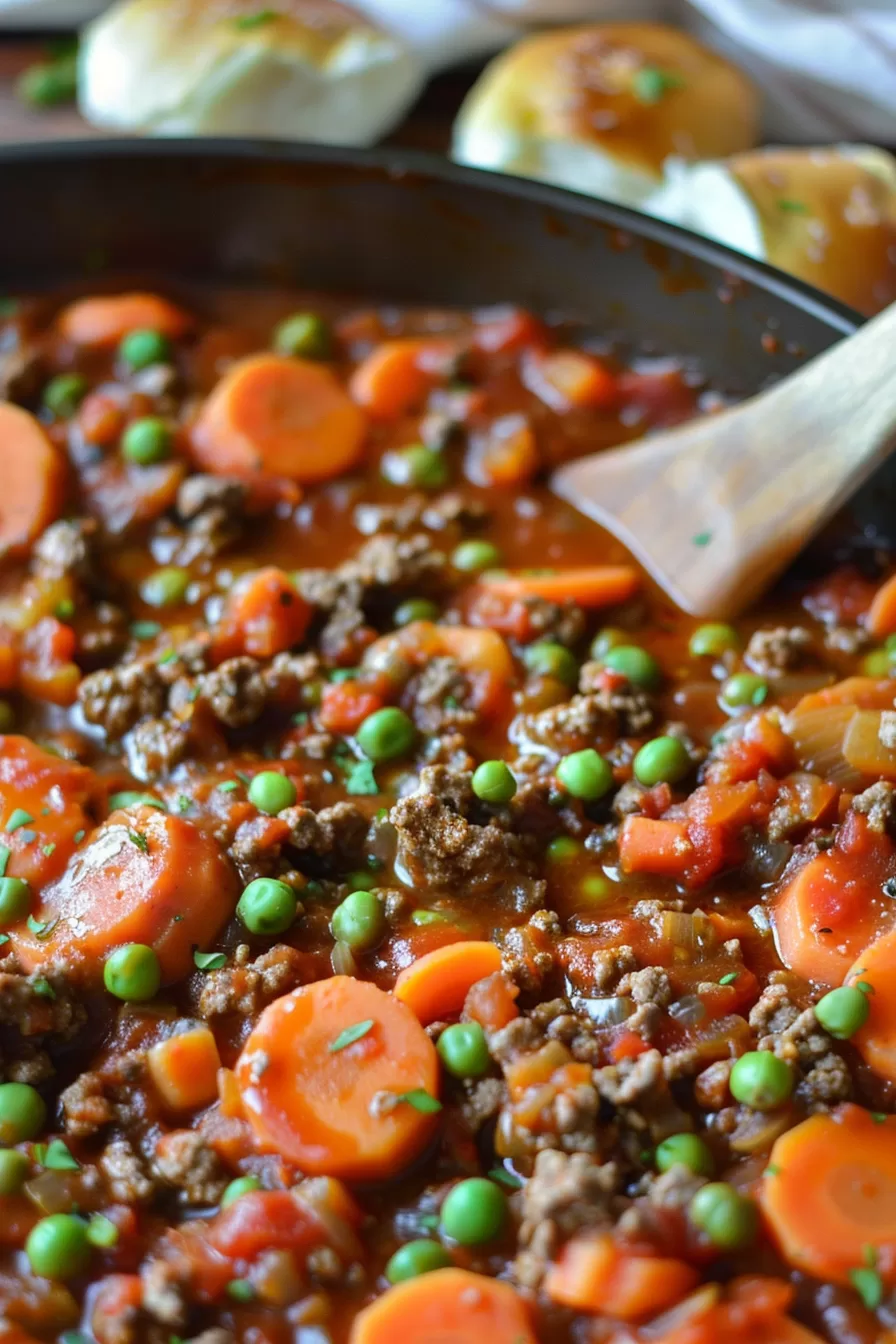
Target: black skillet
(409, 229)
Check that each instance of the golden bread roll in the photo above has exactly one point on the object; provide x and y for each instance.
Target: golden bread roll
(827, 215)
(601, 108)
(297, 69)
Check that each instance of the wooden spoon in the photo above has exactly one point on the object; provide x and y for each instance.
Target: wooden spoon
(716, 508)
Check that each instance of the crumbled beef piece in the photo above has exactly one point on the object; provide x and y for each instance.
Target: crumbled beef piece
(449, 750)
(774, 1010)
(383, 565)
(213, 510)
(125, 1174)
(248, 986)
(104, 640)
(334, 832)
(664, 1193)
(796, 1036)
(29, 1065)
(86, 1107)
(437, 697)
(887, 731)
(878, 804)
(449, 510)
(234, 692)
(629, 800)
(610, 965)
(252, 852)
(650, 985)
(565, 1194)
(155, 746)
(639, 1090)
(563, 728)
(441, 847)
(846, 639)
(287, 674)
(185, 1161)
(41, 1004)
(482, 1103)
(21, 374)
(117, 698)
(166, 1292)
(563, 622)
(66, 550)
(771, 652)
(527, 955)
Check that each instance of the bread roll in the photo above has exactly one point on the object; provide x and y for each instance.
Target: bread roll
(600, 108)
(825, 215)
(299, 69)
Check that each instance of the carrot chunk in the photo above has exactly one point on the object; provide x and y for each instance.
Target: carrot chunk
(46, 794)
(451, 1306)
(567, 379)
(103, 320)
(436, 984)
(263, 615)
(33, 476)
(334, 1108)
(276, 416)
(185, 1068)
(593, 1274)
(142, 877)
(876, 1040)
(396, 377)
(881, 618)
(830, 1193)
(590, 586)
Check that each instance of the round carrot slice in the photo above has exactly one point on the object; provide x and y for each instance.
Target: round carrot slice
(102, 321)
(333, 1077)
(277, 416)
(436, 984)
(142, 877)
(448, 1306)
(43, 802)
(33, 480)
(830, 1193)
(876, 1040)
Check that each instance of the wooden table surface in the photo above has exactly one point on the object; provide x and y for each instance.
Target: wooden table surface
(427, 126)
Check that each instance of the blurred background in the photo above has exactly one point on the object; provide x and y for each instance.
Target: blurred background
(766, 124)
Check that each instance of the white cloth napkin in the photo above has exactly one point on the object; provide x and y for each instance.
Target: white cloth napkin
(827, 67)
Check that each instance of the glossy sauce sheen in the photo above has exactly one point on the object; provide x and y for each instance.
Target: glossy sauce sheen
(616, 947)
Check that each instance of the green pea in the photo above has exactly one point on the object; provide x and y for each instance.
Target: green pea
(685, 1150)
(15, 900)
(132, 973)
(878, 663)
(47, 83)
(243, 1185)
(63, 394)
(144, 347)
(638, 666)
(711, 641)
(131, 798)
(585, 774)
(562, 848)
(23, 1112)
(359, 921)
(471, 557)
(417, 466)
(744, 688)
(843, 1011)
(386, 734)
(416, 609)
(890, 645)
(605, 640)
(596, 887)
(474, 1212)
(761, 1080)
(664, 760)
(272, 792)
(167, 587)
(147, 441)
(304, 335)
(361, 881)
(416, 1258)
(58, 1248)
(7, 717)
(725, 1217)
(549, 659)
(267, 906)
(463, 1050)
(14, 1169)
(493, 782)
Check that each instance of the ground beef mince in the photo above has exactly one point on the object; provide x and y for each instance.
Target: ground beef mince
(406, 915)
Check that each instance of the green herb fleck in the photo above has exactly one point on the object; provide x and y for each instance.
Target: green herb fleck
(4, 939)
(241, 1290)
(869, 1256)
(728, 979)
(184, 802)
(228, 786)
(772, 1170)
(79, 836)
(47, 850)
(43, 989)
(209, 961)
(506, 1178)
(701, 538)
(350, 1035)
(420, 1100)
(878, 1117)
(139, 839)
(339, 674)
(360, 778)
(65, 609)
(650, 84)
(167, 657)
(248, 21)
(301, 718)
(5, 852)
(145, 629)
(864, 986)
(869, 1286)
(793, 207)
(18, 819)
(56, 1157)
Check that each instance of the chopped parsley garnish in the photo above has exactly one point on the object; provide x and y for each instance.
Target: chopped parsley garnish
(728, 979)
(55, 1156)
(257, 20)
(772, 1170)
(168, 657)
(869, 1286)
(241, 1290)
(878, 1117)
(701, 538)
(339, 674)
(350, 1035)
(47, 850)
(18, 819)
(43, 989)
(209, 961)
(793, 207)
(65, 609)
(360, 778)
(421, 1101)
(184, 803)
(139, 839)
(145, 629)
(79, 836)
(228, 786)
(650, 84)
(301, 718)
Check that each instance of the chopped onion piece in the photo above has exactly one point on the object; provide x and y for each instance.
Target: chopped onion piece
(611, 1012)
(863, 748)
(817, 736)
(688, 1011)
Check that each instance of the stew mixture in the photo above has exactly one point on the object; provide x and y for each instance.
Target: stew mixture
(413, 929)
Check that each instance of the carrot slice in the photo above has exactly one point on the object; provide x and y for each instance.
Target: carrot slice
(593, 1274)
(830, 1193)
(142, 877)
(276, 416)
(832, 907)
(263, 615)
(590, 586)
(103, 320)
(860, 692)
(33, 475)
(436, 984)
(876, 1040)
(881, 618)
(51, 797)
(339, 1109)
(448, 1306)
(396, 376)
